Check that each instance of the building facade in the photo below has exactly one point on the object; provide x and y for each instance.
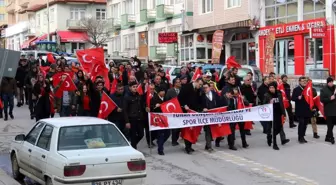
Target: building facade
(135, 25)
(3, 13)
(295, 51)
(63, 23)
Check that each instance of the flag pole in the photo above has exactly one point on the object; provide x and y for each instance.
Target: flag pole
(150, 135)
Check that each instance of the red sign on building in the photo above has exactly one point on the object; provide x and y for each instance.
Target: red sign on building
(318, 32)
(168, 38)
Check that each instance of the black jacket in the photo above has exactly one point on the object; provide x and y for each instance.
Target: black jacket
(329, 105)
(262, 90)
(278, 109)
(287, 91)
(115, 115)
(248, 92)
(302, 108)
(133, 107)
(156, 100)
(190, 96)
(21, 74)
(171, 93)
(206, 103)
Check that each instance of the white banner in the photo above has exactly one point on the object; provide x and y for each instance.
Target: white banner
(160, 121)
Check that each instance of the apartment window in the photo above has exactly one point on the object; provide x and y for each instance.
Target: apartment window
(116, 44)
(129, 41)
(143, 4)
(116, 10)
(313, 9)
(2, 17)
(187, 48)
(52, 15)
(280, 13)
(154, 39)
(128, 7)
(45, 17)
(2, 2)
(175, 28)
(172, 2)
(38, 20)
(100, 14)
(233, 3)
(206, 6)
(77, 13)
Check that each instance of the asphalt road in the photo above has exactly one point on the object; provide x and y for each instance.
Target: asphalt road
(294, 163)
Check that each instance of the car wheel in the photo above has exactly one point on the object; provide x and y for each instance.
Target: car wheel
(49, 181)
(16, 169)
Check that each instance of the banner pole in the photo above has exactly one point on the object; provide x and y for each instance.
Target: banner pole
(150, 134)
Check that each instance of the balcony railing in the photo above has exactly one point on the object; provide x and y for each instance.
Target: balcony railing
(165, 11)
(113, 24)
(127, 20)
(74, 24)
(147, 15)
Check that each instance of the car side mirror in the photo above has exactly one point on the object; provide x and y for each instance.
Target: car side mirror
(20, 137)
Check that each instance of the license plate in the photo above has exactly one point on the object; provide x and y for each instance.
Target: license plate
(110, 182)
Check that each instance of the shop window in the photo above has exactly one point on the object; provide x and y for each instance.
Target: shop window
(187, 51)
(313, 54)
(209, 54)
(201, 53)
(313, 9)
(154, 39)
(280, 13)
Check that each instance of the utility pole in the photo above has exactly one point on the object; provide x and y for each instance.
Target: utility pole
(48, 21)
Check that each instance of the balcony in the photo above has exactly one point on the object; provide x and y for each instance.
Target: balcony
(165, 11)
(75, 25)
(127, 20)
(129, 52)
(147, 15)
(31, 31)
(10, 8)
(157, 52)
(24, 3)
(171, 50)
(113, 24)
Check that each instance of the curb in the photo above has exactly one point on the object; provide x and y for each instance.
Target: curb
(5, 179)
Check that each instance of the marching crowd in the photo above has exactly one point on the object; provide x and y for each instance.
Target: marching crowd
(40, 85)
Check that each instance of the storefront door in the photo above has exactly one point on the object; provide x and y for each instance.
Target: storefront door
(284, 56)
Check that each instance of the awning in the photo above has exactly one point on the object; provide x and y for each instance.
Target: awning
(26, 43)
(43, 37)
(71, 36)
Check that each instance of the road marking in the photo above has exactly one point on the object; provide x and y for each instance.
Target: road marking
(258, 167)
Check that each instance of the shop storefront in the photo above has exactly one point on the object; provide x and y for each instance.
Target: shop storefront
(296, 51)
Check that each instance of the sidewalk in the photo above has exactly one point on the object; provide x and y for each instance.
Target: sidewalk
(5, 179)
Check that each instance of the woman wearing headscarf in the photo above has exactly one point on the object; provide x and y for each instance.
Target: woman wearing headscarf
(273, 96)
(41, 90)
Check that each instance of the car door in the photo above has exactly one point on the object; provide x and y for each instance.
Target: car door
(24, 153)
(40, 152)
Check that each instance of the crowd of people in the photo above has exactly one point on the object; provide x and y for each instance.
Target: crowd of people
(36, 88)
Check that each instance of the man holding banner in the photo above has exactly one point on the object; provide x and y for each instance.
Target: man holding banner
(189, 98)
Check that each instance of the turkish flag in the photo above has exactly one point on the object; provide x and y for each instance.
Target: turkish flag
(231, 62)
(219, 130)
(44, 70)
(158, 120)
(89, 57)
(308, 94)
(167, 74)
(114, 85)
(216, 76)
(101, 70)
(191, 133)
(197, 74)
(51, 100)
(140, 89)
(50, 58)
(240, 105)
(171, 106)
(107, 105)
(281, 88)
(149, 96)
(319, 105)
(66, 85)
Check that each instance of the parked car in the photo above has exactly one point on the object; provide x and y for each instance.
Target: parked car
(76, 150)
(173, 71)
(37, 53)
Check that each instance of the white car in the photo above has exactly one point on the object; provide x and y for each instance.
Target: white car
(76, 150)
(173, 71)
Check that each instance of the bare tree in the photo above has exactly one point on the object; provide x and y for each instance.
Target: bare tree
(97, 31)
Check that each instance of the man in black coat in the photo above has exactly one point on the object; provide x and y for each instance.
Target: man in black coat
(262, 90)
(329, 101)
(21, 73)
(189, 98)
(289, 110)
(155, 104)
(172, 93)
(302, 109)
(134, 114)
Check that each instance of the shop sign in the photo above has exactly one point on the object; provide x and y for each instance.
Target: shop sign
(318, 32)
(168, 38)
(292, 28)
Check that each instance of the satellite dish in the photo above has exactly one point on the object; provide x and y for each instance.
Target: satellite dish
(334, 6)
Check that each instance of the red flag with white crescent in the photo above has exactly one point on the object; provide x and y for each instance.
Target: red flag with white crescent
(191, 133)
(88, 57)
(158, 120)
(171, 106)
(107, 105)
(308, 94)
(66, 85)
(219, 130)
(197, 74)
(319, 105)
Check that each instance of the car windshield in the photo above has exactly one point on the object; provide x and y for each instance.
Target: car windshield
(318, 74)
(89, 137)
